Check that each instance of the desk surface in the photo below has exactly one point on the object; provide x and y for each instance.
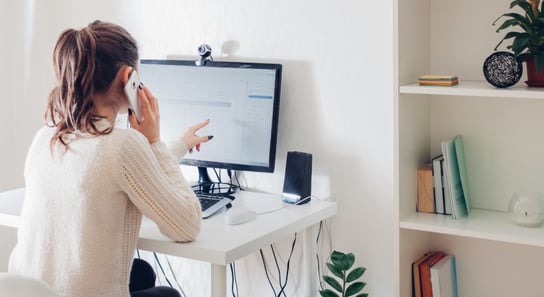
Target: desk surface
(217, 242)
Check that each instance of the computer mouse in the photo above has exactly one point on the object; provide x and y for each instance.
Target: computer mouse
(239, 215)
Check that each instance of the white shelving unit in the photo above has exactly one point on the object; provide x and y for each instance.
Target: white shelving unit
(503, 131)
(475, 88)
(483, 224)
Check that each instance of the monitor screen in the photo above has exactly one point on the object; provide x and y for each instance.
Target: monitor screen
(241, 100)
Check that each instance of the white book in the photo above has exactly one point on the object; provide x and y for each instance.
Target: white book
(444, 277)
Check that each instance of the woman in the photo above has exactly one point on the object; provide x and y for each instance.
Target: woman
(88, 183)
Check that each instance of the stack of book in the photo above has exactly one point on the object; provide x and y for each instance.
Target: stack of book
(447, 178)
(434, 275)
(438, 80)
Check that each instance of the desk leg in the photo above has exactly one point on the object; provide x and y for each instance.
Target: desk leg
(219, 280)
(309, 261)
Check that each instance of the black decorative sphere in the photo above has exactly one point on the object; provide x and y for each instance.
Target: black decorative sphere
(502, 70)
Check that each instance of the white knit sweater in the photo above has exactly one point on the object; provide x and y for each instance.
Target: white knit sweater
(83, 209)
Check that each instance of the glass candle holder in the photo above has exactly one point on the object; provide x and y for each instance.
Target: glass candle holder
(527, 209)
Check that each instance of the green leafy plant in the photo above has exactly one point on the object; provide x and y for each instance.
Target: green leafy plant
(529, 41)
(341, 266)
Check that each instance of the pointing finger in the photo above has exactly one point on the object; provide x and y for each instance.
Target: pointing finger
(200, 125)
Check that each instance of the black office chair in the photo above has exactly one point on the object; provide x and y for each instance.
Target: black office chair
(142, 282)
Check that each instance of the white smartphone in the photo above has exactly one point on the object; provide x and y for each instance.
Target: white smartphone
(131, 89)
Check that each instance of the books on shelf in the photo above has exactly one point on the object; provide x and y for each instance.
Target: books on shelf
(444, 277)
(455, 176)
(434, 275)
(437, 180)
(438, 199)
(416, 280)
(425, 189)
(438, 80)
(425, 273)
(442, 185)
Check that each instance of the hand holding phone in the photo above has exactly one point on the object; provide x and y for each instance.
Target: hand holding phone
(131, 89)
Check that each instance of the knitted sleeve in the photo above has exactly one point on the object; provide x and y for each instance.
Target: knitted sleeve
(151, 178)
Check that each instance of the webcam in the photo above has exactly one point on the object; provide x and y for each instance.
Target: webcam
(205, 52)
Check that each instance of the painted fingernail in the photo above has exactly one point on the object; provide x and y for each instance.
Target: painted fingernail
(210, 137)
(129, 112)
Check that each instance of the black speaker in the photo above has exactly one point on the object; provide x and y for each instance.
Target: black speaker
(297, 183)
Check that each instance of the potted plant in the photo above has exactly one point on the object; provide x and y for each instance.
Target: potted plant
(527, 43)
(340, 265)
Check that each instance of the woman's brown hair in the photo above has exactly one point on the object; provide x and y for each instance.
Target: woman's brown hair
(86, 61)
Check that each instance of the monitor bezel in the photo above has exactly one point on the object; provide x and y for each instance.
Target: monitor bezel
(275, 113)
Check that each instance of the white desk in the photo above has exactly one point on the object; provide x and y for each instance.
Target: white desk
(218, 243)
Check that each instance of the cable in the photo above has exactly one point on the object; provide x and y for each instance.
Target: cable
(229, 174)
(234, 281)
(287, 267)
(317, 255)
(239, 184)
(175, 278)
(217, 175)
(285, 205)
(238, 181)
(266, 272)
(319, 231)
(324, 229)
(162, 270)
(278, 268)
(219, 188)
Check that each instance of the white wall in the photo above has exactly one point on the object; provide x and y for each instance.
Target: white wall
(337, 97)
(5, 110)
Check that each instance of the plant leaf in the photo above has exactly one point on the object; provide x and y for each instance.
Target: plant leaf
(333, 283)
(341, 260)
(362, 295)
(350, 259)
(520, 43)
(516, 19)
(328, 293)
(337, 258)
(354, 288)
(335, 270)
(355, 274)
(523, 57)
(527, 7)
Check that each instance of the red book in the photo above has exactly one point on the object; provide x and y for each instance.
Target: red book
(425, 273)
(416, 281)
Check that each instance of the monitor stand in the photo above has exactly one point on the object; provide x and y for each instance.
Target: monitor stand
(206, 185)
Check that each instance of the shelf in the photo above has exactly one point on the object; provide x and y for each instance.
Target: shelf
(481, 224)
(475, 88)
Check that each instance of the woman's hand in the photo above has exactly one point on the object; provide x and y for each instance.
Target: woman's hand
(192, 140)
(149, 126)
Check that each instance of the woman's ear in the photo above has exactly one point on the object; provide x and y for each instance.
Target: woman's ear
(124, 73)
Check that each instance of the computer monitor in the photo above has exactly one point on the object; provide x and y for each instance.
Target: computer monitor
(240, 99)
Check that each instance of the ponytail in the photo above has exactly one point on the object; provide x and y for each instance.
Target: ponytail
(86, 61)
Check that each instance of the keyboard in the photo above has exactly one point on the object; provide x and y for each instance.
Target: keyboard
(211, 203)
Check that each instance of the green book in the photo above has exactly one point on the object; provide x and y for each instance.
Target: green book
(456, 176)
